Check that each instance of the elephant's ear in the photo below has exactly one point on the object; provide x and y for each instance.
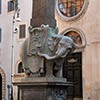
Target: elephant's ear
(52, 42)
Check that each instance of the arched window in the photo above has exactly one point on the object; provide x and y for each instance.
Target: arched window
(78, 37)
(20, 68)
(75, 36)
(0, 87)
(70, 8)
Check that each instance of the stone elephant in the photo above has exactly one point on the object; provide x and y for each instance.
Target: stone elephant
(45, 50)
(64, 46)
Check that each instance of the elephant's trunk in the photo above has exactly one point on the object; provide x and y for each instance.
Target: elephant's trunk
(60, 53)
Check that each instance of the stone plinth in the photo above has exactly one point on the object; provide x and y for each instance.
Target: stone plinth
(41, 88)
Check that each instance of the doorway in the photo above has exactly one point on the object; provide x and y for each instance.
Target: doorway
(0, 87)
(73, 72)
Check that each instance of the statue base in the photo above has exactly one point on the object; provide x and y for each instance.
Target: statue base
(41, 88)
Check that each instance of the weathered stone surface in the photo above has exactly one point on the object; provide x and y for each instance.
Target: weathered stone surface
(22, 79)
(43, 88)
(45, 51)
(43, 13)
(43, 93)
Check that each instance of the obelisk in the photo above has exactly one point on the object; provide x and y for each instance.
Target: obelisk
(32, 85)
(43, 12)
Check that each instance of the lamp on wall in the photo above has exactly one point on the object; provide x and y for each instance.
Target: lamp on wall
(18, 18)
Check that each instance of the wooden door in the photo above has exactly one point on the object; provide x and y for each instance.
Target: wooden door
(73, 73)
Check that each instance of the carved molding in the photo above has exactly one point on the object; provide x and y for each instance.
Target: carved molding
(60, 94)
(81, 13)
(3, 83)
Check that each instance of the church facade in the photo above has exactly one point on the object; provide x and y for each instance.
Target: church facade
(78, 19)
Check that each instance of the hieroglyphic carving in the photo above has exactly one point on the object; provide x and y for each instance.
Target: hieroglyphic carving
(43, 13)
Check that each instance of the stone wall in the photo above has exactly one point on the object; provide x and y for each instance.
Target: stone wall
(89, 24)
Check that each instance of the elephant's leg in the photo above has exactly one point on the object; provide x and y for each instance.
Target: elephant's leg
(42, 66)
(49, 68)
(59, 67)
(58, 71)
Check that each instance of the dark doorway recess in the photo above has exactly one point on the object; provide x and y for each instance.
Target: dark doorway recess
(73, 73)
(0, 87)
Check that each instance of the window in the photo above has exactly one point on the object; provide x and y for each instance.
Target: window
(22, 31)
(11, 5)
(70, 8)
(0, 34)
(20, 68)
(75, 36)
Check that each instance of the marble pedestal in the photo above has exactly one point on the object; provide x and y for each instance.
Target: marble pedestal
(41, 88)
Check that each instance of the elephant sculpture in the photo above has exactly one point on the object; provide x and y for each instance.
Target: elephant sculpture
(44, 51)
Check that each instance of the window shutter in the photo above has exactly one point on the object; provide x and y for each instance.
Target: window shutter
(22, 31)
(11, 5)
